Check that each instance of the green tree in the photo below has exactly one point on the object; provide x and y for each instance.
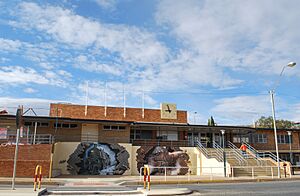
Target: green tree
(211, 122)
(267, 122)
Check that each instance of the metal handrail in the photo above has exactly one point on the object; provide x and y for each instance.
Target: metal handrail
(28, 139)
(203, 149)
(219, 150)
(260, 155)
(207, 153)
(237, 153)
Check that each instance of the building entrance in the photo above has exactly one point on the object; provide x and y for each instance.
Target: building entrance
(205, 138)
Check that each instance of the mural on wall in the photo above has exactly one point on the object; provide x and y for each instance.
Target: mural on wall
(161, 156)
(98, 159)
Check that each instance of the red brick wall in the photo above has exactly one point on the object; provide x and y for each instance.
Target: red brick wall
(28, 157)
(113, 113)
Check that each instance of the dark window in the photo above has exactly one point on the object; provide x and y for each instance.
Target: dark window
(58, 125)
(122, 127)
(65, 125)
(73, 125)
(28, 123)
(114, 127)
(44, 124)
(284, 139)
(106, 127)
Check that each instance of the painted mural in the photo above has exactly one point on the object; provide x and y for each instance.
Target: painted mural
(162, 156)
(98, 159)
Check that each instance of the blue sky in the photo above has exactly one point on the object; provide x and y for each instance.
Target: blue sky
(213, 58)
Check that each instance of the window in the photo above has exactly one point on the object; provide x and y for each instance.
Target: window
(65, 125)
(284, 139)
(240, 138)
(260, 138)
(236, 139)
(72, 126)
(39, 124)
(114, 128)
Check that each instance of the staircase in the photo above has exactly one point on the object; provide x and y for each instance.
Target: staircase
(258, 164)
(252, 163)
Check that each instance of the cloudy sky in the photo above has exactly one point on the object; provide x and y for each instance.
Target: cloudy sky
(211, 58)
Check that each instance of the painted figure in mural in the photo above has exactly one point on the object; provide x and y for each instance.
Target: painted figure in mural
(98, 159)
(163, 157)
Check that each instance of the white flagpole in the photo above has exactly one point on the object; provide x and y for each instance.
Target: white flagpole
(143, 104)
(124, 99)
(105, 104)
(86, 97)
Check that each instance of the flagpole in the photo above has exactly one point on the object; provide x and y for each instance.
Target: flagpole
(105, 104)
(86, 97)
(124, 99)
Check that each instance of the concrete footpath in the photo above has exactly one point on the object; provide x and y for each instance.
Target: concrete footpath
(108, 185)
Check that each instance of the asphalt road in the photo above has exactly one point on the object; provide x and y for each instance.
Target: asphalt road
(253, 188)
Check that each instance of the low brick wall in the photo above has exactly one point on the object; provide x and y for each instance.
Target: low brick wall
(28, 157)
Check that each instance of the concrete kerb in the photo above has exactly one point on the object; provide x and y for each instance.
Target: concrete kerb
(173, 191)
(135, 181)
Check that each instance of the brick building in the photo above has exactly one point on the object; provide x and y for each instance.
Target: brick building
(138, 126)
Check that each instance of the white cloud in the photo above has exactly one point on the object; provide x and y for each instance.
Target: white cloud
(16, 75)
(235, 110)
(246, 109)
(67, 27)
(241, 35)
(30, 90)
(9, 45)
(21, 75)
(64, 73)
(82, 62)
(106, 4)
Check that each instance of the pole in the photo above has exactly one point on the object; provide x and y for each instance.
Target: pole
(275, 131)
(105, 104)
(143, 105)
(15, 160)
(34, 135)
(290, 143)
(86, 98)
(124, 101)
(224, 154)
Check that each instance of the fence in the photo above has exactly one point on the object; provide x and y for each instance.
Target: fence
(28, 139)
(216, 173)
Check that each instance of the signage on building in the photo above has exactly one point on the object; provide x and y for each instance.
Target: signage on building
(3, 133)
(168, 111)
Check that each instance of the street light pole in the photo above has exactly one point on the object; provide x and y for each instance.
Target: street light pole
(224, 153)
(275, 131)
(291, 64)
(290, 143)
(195, 113)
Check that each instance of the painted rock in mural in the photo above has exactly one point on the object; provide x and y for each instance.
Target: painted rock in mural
(159, 157)
(98, 159)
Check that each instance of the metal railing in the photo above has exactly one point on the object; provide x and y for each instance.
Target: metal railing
(204, 151)
(197, 173)
(28, 139)
(160, 142)
(266, 154)
(237, 154)
(218, 150)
